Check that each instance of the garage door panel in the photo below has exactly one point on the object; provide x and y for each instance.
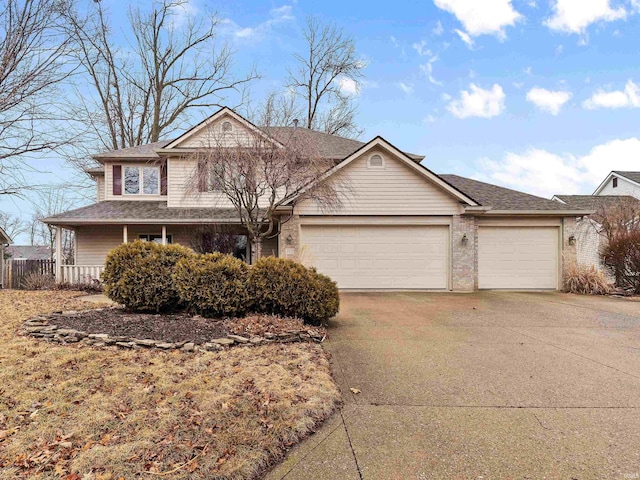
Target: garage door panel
(379, 257)
(518, 257)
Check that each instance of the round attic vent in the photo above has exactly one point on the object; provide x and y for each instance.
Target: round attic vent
(227, 127)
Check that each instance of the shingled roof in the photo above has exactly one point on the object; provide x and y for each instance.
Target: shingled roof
(595, 202)
(501, 198)
(633, 176)
(329, 146)
(131, 211)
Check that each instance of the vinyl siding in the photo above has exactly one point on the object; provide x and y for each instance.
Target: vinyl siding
(100, 188)
(213, 136)
(181, 189)
(394, 189)
(625, 187)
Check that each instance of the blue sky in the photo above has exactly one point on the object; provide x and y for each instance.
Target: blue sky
(541, 96)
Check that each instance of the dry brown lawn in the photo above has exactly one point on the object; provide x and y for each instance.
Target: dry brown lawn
(78, 412)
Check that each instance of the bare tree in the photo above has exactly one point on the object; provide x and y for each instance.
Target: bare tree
(257, 175)
(329, 63)
(51, 202)
(141, 94)
(33, 63)
(13, 225)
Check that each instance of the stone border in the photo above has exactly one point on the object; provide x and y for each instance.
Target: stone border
(42, 328)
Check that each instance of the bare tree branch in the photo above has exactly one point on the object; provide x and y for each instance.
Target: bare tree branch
(331, 58)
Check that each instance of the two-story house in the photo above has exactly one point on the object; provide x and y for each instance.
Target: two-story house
(616, 190)
(401, 227)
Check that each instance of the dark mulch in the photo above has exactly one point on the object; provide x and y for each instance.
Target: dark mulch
(178, 327)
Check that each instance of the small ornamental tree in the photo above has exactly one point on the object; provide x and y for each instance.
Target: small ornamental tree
(258, 174)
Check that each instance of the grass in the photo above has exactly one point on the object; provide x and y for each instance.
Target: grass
(76, 412)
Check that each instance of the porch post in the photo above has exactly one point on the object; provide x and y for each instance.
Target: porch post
(125, 234)
(59, 254)
(164, 234)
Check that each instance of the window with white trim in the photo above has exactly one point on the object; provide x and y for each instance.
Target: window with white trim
(155, 238)
(141, 180)
(376, 161)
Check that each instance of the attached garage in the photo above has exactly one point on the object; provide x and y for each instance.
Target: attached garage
(518, 257)
(380, 257)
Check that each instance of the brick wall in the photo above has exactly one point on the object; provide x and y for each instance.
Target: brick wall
(464, 258)
(290, 229)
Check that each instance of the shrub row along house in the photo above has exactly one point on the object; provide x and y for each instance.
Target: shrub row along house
(397, 225)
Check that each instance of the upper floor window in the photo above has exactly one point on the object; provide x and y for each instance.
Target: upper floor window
(142, 180)
(615, 182)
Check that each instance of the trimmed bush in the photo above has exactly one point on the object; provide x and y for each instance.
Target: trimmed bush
(278, 286)
(586, 280)
(622, 256)
(213, 285)
(139, 275)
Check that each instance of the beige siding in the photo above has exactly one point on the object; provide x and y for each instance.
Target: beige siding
(108, 176)
(213, 136)
(394, 189)
(100, 194)
(181, 191)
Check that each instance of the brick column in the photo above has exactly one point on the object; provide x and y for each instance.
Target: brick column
(464, 253)
(289, 238)
(569, 252)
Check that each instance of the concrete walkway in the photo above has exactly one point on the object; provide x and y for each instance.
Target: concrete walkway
(480, 386)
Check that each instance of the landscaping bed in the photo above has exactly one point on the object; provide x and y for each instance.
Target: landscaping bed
(108, 413)
(126, 329)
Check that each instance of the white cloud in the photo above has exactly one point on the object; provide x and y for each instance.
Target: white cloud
(427, 69)
(406, 88)
(627, 98)
(349, 86)
(438, 30)
(547, 100)
(478, 102)
(545, 173)
(277, 16)
(466, 38)
(421, 48)
(486, 17)
(574, 16)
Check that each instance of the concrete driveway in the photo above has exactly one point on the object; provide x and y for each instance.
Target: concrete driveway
(480, 386)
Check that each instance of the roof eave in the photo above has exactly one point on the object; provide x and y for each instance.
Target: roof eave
(544, 213)
(136, 221)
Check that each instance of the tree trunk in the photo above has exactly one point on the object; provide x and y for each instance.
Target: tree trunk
(256, 249)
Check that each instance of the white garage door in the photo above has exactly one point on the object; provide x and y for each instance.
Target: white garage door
(518, 257)
(379, 257)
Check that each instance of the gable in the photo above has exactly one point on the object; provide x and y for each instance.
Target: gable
(393, 189)
(212, 135)
(625, 186)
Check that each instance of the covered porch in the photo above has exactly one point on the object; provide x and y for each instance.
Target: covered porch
(197, 229)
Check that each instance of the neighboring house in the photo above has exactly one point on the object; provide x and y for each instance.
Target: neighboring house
(5, 240)
(618, 188)
(401, 226)
(29, 252)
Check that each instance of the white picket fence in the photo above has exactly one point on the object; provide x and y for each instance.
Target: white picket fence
(85, 274)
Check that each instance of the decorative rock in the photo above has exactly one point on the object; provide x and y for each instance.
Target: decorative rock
(188, 347)
(238, 338)
(98, 336)
(67, 331)
(49, 328)
(145, 342)
(166, 346)
(125, 344)
(212, 347)
(269, 335)
(36, 323)
(71, 339)
(223, 341)
(256, 340)
(109, 341)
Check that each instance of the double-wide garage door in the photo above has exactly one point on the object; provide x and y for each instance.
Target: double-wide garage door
(380, 257)
(518, 257)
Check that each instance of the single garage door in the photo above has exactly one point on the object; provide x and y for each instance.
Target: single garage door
(379, 257)
(518, 257)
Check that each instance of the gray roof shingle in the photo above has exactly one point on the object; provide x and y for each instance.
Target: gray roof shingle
(595, 202)
(30, 252)
(501, 198)
(329, 146)
(128, 211)
(633, 176)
